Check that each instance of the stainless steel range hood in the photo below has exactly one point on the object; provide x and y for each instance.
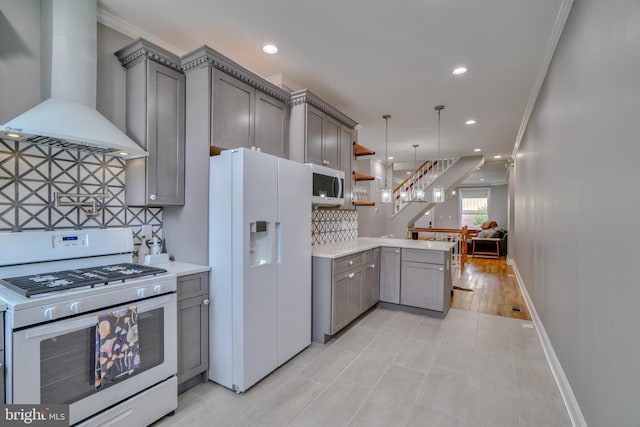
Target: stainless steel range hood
(69, 118)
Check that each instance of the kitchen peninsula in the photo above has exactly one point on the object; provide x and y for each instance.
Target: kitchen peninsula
(349, 277)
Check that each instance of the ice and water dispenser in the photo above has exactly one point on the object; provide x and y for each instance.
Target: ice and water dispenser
(260, 246)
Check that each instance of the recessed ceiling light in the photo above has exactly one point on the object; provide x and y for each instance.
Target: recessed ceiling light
(390, 158)
(13, 135)
(481, 179)
(459, 70)
(470, 122)
(270, 49)
(477, 149)
(123, 153)
(408, 172)
(497, 157)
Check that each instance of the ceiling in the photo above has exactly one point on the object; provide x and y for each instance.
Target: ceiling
(372, 58)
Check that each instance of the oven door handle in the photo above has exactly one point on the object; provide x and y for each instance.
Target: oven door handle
(70, 325)
(58, 328)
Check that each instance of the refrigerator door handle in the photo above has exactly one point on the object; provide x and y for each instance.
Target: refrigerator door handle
(278, 243)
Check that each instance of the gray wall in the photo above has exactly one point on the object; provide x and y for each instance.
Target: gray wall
(576, 207)
(498, 205)
(447, 215)
(19, 57)
(371, 219)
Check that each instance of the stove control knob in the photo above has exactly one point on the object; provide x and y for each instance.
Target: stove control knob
(49, 313)
(157, 289)
(75, 307)
(141, 292)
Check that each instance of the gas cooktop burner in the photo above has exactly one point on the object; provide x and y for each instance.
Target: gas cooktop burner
(62, 280)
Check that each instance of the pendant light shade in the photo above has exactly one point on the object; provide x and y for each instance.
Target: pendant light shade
(438, 190)
(386, 192)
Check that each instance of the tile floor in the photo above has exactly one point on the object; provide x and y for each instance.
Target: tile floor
(393, 368)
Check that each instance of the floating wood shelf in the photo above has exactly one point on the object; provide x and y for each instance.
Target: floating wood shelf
(359, 176)
(359, 150)
(364, 203)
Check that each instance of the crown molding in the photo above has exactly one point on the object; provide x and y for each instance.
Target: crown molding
(556, 32)
(305, 96)
(120, 25)
(205, 56)
(140, 49)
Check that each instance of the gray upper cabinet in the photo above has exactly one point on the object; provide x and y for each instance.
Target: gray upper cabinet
(271, 125)
(156, 121)
(243, 114)
(322, 135)
(233, 112)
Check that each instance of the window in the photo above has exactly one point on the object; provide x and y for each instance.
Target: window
(474, 207)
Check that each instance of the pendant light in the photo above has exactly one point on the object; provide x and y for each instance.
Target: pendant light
(385, 192)
(438, 190)
(418, 191)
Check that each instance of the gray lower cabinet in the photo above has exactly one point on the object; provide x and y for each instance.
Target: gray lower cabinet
(242, 116)
(390, 275)
(341, 292)
(155, 100)
(193, 329)
(426, 279)
(370, 278)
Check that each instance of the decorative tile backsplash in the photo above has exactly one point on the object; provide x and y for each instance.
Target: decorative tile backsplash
(30, 175)
(333, 225)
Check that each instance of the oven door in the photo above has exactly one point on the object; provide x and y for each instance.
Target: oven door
(55, 362)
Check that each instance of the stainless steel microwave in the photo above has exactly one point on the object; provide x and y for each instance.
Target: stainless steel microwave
(328, 186)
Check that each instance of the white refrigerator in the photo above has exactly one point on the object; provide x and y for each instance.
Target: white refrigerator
(260, 258)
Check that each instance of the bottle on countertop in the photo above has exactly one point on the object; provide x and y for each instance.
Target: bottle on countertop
(155, 248)
(143, 249)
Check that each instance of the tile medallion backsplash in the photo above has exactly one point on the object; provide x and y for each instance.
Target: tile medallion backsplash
(333, 225)
(30, 175)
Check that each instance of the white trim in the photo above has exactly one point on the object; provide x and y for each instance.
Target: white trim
(128, 29)
(575, 413)
(554, 38)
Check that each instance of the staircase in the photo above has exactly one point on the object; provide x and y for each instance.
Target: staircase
(406, 213)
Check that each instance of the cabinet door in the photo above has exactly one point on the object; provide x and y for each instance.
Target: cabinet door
(313, 145)
(368, 282)
(233, 112)
(375, 284)
(272, 125)
(390, 275)
(354, 294)
(331, 142)
(422, 285)
(165, 115)
(339, 297)
(193, 335)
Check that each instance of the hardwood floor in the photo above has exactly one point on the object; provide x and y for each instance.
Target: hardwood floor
(493, 288)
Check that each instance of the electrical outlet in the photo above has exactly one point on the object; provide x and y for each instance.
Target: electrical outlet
(146, 231)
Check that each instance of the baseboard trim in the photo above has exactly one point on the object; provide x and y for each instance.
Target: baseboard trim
(575, 413)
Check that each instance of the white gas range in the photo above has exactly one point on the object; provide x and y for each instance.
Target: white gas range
(68, 295)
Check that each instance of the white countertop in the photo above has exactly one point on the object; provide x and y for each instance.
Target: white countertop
(348, 247)
(182, 268)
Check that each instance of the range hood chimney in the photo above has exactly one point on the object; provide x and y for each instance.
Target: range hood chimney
(69, 118)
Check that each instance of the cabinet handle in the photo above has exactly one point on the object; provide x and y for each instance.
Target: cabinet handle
(351, 262)
(373, 266)
(351, 276)
(152, 197)
(206, 301)
(441, 269)
(398, 251)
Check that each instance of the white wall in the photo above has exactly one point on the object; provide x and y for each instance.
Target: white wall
(576, 208)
